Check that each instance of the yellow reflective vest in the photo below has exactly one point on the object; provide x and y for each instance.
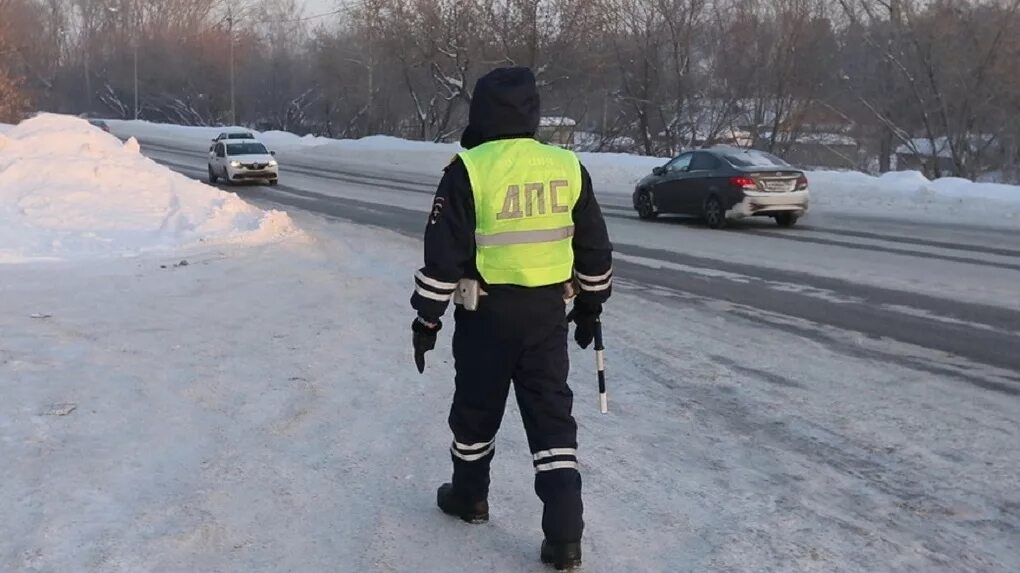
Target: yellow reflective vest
(524, 194)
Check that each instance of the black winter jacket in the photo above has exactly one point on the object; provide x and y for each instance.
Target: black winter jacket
(504, 106)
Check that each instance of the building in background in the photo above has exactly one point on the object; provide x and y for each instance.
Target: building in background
(557, 131)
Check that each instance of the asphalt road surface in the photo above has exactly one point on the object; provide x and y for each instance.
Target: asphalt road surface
(938, 298)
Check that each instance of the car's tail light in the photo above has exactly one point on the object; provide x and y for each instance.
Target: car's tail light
(743, 182)
(802, 183)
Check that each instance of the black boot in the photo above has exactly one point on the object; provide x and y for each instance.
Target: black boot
(561, 555)
(451, 504)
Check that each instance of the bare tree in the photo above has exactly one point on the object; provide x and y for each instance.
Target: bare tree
(20, 54)
(944, 58)
(934, 77)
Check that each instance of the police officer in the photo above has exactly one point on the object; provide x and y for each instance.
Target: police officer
(520, 218)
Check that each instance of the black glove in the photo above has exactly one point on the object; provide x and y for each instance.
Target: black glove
(423, 339)
(584, 316)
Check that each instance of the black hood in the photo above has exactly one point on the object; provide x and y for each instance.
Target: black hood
(504, 104)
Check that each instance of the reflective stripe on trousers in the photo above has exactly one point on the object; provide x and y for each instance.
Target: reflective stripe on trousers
(555, 459)
(472, 452)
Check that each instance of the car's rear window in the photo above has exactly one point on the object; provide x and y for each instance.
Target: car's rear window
(240, 136)
(246, 149)
(753, 158)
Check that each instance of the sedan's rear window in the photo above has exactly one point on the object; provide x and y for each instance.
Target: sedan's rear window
(753, 158)
(246, 149)
(240, 136)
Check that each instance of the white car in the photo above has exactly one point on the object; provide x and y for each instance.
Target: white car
(242, 160)
(227, 135)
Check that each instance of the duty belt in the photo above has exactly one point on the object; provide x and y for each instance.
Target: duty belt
(470, 291)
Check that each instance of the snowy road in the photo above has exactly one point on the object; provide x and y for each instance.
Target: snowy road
(941, 298)
(841, 397)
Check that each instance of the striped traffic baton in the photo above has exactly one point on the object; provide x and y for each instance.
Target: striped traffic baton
(600, 364)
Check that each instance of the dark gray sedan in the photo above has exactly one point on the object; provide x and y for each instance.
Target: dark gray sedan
(724, 183)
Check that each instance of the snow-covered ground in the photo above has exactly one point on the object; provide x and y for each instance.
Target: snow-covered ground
(69, 190)
(257, 410)
(897, 194)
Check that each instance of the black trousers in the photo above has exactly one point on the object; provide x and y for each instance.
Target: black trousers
(517, 335)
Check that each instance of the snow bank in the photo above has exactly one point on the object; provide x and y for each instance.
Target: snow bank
(276, 139)
(284, 138)
(618, 172)
(911, 189)
(70, 191)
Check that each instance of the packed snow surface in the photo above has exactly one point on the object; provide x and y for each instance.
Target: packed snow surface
(69, 191)
(258, 411)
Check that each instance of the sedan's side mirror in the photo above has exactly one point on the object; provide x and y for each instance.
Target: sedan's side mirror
(273, 153)
(659, 171)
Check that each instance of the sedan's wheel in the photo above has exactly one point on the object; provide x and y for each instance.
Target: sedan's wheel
(715, 216)
(212, 176)
(645, 207)
(786, 220)
(273, 182)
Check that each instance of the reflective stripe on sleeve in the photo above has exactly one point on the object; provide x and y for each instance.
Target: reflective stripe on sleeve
(597, 288)
(432, 295)
(590, 283)
(598, 279)
(431, 282)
